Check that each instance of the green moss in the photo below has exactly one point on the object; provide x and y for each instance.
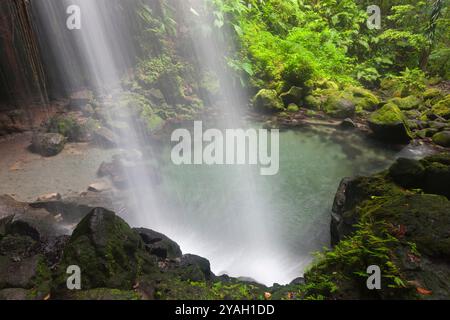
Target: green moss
(442, 108)
(77, 130)
(340, 273)
(42, 281)
(293, 107)
(267, 101)
(407, 103)
(173, 288)
(442, 138)
(363, 98)
(109, 252)
(432, 93)
(294, 95)
(388, 114)
(312, 102)
(104, 294)
(338, 104)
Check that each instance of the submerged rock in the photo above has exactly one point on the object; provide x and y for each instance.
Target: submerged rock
(389, 124)
(48, 144)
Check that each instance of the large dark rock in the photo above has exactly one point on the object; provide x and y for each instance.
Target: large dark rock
(399, 214)
(29, 273)
(48, 144)
(389, 124)
(437, 174)
(408, 173)
(195, 268)
(352, 192)
(159, 245)
(109, 252)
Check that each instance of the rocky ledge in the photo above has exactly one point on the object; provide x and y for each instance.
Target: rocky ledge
(398, 220)
(37, 245)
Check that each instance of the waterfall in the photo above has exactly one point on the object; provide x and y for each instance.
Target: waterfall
(236, 233)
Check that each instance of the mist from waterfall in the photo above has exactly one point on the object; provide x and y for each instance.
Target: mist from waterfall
(241, 240)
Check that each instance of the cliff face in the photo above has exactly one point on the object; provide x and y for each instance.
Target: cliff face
(21, 71)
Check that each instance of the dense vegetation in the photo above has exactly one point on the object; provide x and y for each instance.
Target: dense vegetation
(287, 43)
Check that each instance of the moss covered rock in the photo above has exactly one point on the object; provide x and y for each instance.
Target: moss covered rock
(267, 101)
(384, 220)
(408, 173)
(292, 107)
(442, 138)
(48, 144)
(339, 105)
(109, 253)
(442, 108)
(74, 128)
(389, 124)
(407, 103)
(364, 99)
(158, 244)
(294, 95)
(312, 102)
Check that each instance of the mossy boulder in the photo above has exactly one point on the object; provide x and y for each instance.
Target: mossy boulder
(425, 217)
(432, 93)
(407, 103)
(386, 213)
(109, 253)
(74, 128)
(312, 102)
(195, 268)
(339, 105)
(267, 101)
(31, 273)
(408, 173)
(292, 107)
(437, 174)
(294, 95)
(363, 98)
(47, 144)
(389, 124)
(442, 108)
(442, 138)
(159, 245)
